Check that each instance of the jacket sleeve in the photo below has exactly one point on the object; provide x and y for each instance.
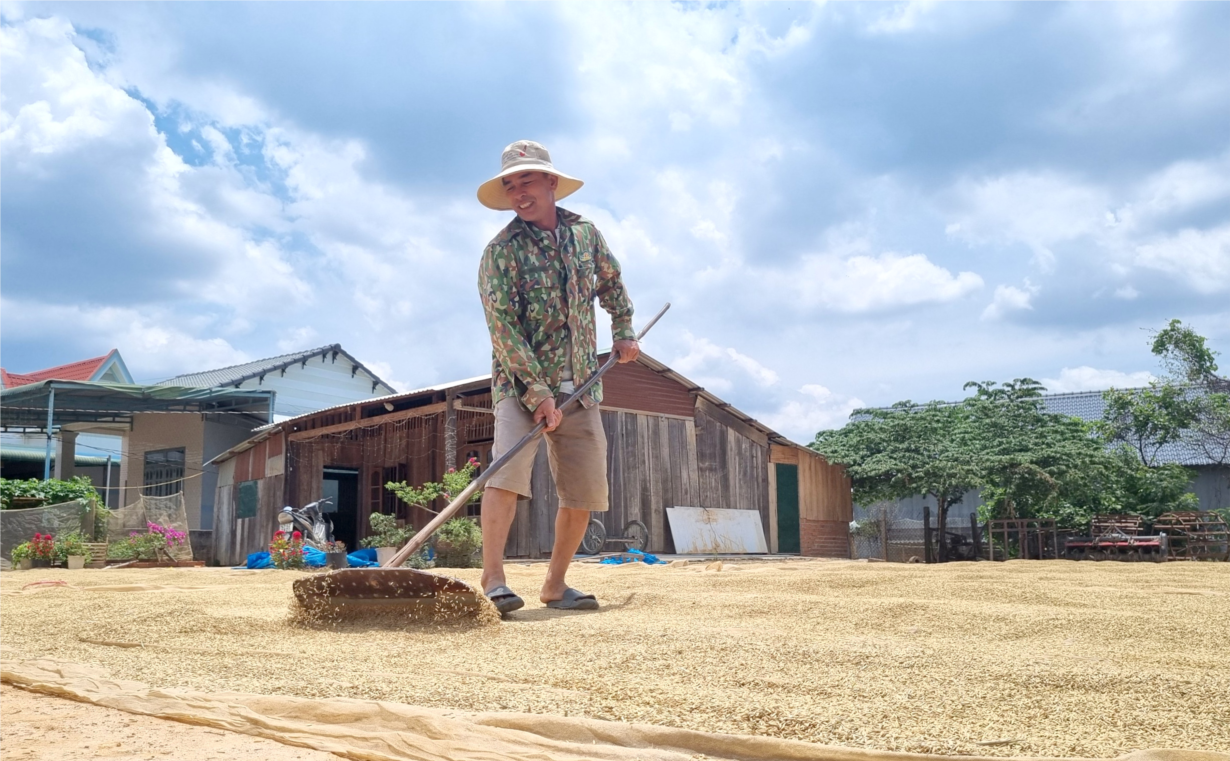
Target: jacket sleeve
(497, 277)
(611, 292)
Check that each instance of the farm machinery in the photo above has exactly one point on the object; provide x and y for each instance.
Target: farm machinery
(1118, 537)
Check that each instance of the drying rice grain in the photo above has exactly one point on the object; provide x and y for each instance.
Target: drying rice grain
(1065, 659)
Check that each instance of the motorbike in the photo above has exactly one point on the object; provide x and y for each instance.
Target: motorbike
(310, 521)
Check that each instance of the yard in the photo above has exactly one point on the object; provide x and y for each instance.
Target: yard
(1044, 658)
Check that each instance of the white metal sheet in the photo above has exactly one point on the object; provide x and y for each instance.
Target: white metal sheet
(713, 531)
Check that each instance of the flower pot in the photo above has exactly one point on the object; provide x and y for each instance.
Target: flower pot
(75, 562)
(385, 554)
(25, 564)
(336, 560)
(41, 562)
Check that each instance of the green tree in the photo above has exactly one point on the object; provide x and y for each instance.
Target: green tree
(1146, 419)
(905, 450)
(1027, 458)
(1192, 365)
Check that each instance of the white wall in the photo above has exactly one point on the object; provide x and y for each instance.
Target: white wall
(325, 382)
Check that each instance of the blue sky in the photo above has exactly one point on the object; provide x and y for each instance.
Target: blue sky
(848, 204)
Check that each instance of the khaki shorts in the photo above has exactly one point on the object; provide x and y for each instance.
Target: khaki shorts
(576, 451)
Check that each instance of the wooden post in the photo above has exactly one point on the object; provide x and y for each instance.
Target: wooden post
(973, 535)
(884, 535)
(927, 558)
(450, 433)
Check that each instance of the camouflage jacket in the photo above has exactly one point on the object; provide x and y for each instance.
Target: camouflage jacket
(538, 296)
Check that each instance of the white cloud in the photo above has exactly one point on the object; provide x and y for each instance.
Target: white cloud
(863, 283)
(1201, 258)
(1009, 298)
(709, 365)
(901, 17)
(815, 409)
(155, 343)
(1038, 209)
(1087, 378)
(1127, 293)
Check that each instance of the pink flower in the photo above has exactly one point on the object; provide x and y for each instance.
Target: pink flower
(452, 470)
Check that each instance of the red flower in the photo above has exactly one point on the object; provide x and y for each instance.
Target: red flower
(38, 537)
(296, 536)
(279, 534)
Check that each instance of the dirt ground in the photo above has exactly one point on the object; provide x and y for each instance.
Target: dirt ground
(1035, 658)
(41, 728)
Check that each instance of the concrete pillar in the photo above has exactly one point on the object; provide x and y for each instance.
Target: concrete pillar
(66, 455)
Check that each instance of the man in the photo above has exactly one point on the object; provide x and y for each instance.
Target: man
(538, 280)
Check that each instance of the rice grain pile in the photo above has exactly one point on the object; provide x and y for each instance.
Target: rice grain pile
(1022, 658)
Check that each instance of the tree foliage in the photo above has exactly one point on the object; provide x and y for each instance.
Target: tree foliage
(53, 491)
(1028, 459)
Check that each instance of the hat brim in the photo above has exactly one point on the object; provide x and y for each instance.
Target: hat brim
(491, 192)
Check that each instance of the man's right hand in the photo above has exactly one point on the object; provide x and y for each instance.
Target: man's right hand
(547, 411)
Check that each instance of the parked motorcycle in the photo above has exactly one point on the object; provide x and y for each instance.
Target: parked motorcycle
(310, 521)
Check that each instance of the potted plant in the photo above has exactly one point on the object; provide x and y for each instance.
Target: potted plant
(387, 537)
(42, 550)
(456, 542)
(286, 550)
(21, 556)
(72, 551)
(335, 554)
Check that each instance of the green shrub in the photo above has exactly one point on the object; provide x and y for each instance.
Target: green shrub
(22, 552)
(456, 542)
(53, 491)
(386, 532)
(72, 544)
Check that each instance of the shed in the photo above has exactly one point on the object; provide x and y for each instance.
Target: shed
(670, 443)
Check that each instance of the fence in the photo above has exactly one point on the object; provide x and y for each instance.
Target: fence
(905, 540)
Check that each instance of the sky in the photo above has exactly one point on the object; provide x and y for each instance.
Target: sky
(846, 204)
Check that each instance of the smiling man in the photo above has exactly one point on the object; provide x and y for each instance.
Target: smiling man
(538, 281)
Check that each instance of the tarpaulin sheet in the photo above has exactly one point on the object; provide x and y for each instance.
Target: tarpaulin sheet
(380, 731)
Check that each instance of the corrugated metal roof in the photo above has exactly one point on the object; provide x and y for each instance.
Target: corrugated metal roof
(235, 374)
(264, 431)
(1090, 406)
(26, 454)
(373, 400)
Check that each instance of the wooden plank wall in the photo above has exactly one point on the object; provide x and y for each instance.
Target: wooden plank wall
(236, 538)
(654, 462)
(824, 490)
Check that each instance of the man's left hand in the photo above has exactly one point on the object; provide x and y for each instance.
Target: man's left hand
(628, 350)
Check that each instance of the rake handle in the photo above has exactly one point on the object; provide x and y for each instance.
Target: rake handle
(420, 538)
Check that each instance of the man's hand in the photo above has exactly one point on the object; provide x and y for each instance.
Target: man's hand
(546, 411)
(628, 350)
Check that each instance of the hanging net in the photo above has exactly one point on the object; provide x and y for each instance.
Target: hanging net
(17, 526)
(165, 511)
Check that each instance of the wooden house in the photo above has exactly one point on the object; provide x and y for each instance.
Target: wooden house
(670, 443)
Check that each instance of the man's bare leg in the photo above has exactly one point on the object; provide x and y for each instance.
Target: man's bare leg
(496, 517)
(570, 525)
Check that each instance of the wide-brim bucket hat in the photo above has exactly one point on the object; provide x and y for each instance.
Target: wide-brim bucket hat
(524, 156)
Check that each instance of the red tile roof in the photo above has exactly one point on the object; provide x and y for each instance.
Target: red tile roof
(77, 371)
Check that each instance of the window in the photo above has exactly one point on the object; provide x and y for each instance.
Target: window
(164, 472)
(249, 499)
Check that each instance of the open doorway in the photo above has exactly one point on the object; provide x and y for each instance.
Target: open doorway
(342, 485)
